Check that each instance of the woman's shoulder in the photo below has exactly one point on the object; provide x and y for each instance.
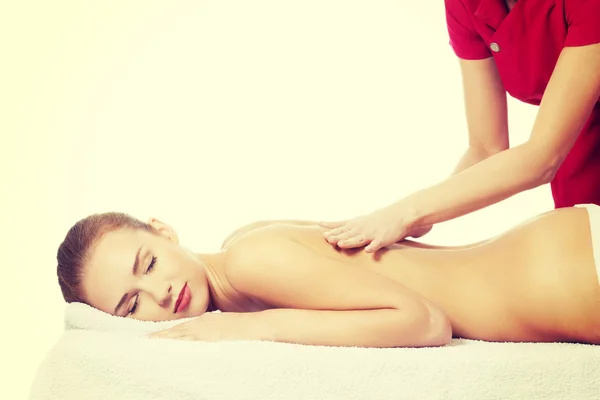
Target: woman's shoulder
(266, 251)
(258, 225)
(265, 236)
(273, 240)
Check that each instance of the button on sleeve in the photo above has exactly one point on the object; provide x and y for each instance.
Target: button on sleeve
(583, 20)
(464, 39)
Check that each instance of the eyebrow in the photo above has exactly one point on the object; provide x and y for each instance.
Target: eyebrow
(136, 263)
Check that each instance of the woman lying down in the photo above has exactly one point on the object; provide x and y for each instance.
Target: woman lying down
(281, 281)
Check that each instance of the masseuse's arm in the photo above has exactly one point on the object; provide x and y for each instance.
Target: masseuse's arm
(486, 112)
(570, 96)
(323, 301)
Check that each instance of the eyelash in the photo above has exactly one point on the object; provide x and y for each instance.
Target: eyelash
(151, 266)
(137, 298)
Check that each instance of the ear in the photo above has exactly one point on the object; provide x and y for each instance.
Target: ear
(164, 230)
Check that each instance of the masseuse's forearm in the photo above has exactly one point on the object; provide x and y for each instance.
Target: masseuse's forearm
(363, 328)
(473, 155)
(492, 180)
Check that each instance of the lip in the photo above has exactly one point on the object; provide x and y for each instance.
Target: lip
(183, 300)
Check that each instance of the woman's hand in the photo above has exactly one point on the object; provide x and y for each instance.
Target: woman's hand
(376, 230)
(211, 327)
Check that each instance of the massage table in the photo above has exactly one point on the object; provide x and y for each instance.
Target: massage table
(100, 356)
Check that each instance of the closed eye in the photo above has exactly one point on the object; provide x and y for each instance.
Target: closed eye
(137, 298)
(151, 265)
(135, 305)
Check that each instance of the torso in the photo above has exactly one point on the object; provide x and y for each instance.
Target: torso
(537, 282)
(526, 38)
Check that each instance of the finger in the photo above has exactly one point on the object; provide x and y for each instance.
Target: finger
(170, 333)
(339, 231)
(332, 224)
(379, 244)
(374, 246)
(345, 235)
(332, 239)
(159, 335)
(356, 241)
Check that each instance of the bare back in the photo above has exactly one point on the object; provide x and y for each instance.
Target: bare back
(536, 282)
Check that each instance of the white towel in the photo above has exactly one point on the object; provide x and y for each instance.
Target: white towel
(104, 357)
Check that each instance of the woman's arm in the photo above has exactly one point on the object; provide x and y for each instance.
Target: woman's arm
(568, 101)
(323, 301)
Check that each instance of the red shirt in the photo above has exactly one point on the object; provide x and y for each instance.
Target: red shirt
(525, 44)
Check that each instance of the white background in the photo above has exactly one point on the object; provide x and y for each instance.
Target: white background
(209, 115)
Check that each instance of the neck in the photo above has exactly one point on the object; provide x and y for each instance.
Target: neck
(214, 265)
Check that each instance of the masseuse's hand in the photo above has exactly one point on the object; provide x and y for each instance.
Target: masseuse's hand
(375, 231)
(209, 327)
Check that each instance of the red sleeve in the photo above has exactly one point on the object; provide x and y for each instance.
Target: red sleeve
(464, 39)
(583, 20)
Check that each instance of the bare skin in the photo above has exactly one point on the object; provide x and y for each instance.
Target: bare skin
(536, 282)
(282, 281)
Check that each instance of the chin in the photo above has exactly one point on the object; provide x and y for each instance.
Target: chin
(196, 308)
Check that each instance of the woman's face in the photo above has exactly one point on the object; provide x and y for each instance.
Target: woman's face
(140, 274)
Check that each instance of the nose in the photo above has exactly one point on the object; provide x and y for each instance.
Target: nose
(159, 291)
(163, 299)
